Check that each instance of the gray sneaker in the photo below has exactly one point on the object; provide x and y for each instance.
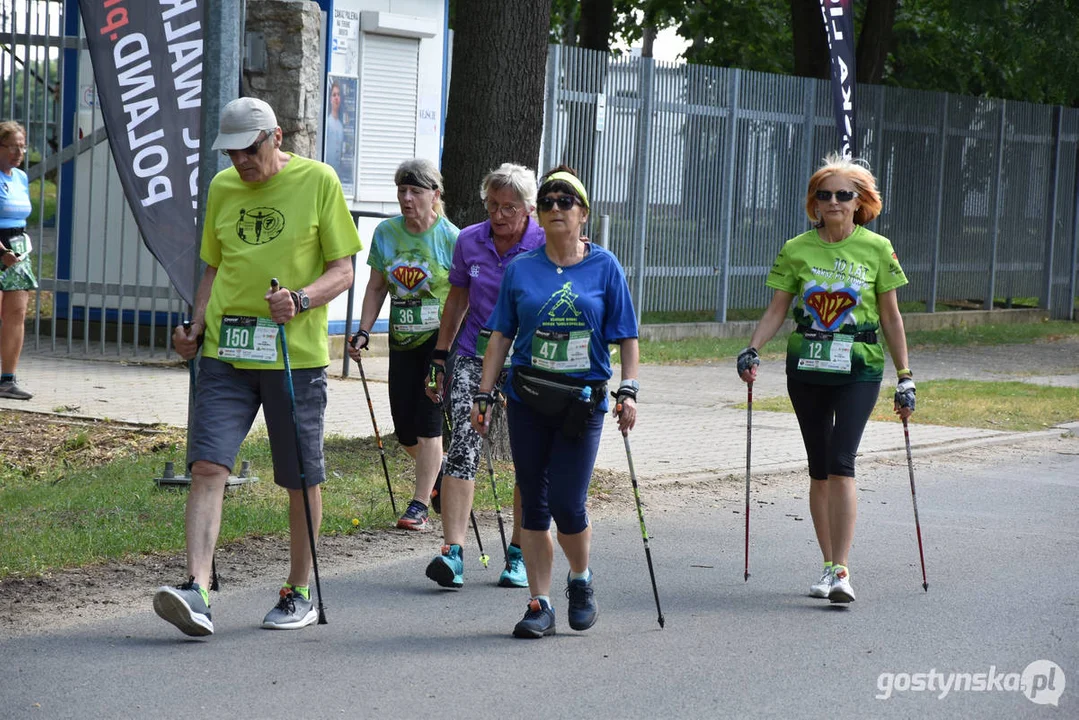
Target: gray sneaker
(12, 391)
(185, 608)
(292, 612)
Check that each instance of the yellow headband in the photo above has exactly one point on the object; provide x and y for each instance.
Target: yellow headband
(573, 182)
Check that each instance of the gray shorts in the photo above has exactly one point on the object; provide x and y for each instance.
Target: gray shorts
(227, 401)
(463, 457)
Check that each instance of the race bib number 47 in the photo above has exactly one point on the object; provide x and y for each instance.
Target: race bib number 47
(561, 351)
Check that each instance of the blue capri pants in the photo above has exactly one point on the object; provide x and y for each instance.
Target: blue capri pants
(553, 471)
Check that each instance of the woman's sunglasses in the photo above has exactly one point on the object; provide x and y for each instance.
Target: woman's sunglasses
(840, 195)
(564, 202)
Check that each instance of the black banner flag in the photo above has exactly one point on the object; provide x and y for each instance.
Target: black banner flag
(147, 58)
(838, 18)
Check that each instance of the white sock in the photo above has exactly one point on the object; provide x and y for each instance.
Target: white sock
(586, 575)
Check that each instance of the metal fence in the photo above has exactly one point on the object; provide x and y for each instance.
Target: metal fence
(703, 172)
(101, 291)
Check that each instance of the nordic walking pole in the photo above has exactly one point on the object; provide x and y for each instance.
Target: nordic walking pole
(914, 499)
(374, 423)
(494, 491)
(640, 517)
(191, 373)
(299, 457)
(749, 453)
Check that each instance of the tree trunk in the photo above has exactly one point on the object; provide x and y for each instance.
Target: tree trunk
(875, 41)
(811, 58)
(495, 109)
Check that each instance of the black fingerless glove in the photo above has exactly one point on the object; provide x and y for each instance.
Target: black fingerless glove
(905, 393)
(361, 333)
(747, 359)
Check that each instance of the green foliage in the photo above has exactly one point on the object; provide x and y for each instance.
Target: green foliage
(1013, 49)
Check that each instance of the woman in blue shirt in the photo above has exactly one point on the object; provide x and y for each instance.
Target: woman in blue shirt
(560, 306)
(16, 276)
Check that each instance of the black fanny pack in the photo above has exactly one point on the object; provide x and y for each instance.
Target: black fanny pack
(552, 394)
(866, 336)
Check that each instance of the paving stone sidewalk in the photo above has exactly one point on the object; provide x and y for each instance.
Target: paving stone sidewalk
(688, 424)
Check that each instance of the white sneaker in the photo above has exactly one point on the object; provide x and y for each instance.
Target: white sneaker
(841, 591)
(821, 588)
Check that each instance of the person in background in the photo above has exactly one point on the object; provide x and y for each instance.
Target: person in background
(410, 261)
(842, 279)
(16, 276)
(560, 306)
(482, 253)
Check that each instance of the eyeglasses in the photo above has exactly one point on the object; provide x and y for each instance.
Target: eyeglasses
(564, 202)
(840, 195)
(506, 211)
(20, 148)
(251, 149)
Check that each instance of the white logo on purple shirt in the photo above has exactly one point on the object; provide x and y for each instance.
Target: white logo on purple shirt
(474, 271)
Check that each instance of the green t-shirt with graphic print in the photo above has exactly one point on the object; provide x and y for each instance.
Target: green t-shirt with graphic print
(287, 227)
(417, 269)
(835, 286)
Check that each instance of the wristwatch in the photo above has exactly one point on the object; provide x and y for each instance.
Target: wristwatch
(636, 386)
(300, 299)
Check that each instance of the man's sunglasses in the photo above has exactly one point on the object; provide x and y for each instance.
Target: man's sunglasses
(840, 195)
(251, 149)
(564, 202)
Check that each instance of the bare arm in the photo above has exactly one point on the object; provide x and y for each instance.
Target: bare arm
(452, 315)
(769, 325)
(373, 297)
(334, 280)
(629, 355)
(891, 323)
(772, 319)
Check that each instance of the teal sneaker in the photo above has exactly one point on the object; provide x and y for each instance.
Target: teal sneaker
(448, 569)
(514, 576)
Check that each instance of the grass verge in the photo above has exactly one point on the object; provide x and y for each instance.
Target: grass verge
(971, 403)
(62, 511)
(703, 350)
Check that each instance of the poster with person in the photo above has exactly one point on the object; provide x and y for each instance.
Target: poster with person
(339, 148)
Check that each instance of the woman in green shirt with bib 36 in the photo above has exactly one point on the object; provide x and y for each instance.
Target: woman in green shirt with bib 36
(842, 279)
(410, 261)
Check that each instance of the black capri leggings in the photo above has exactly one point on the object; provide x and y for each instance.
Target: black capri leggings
(832, 419)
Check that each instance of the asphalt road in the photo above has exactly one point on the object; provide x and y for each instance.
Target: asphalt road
(1001, 533)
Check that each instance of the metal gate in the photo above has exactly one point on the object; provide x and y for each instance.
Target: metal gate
(101, 291)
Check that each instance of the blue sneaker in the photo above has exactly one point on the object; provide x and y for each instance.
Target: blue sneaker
(415, 517)
(448, 569)
(582, 605)
(514, 576)
(537, 622)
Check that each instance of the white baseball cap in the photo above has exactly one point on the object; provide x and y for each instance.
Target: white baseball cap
(241, 122)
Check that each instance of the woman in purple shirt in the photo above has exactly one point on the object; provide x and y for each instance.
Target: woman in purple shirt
(479, 258)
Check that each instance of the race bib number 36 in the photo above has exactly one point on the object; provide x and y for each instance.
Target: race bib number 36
(561, 351)
(247, 338)
(826, 355)
(414, 316)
